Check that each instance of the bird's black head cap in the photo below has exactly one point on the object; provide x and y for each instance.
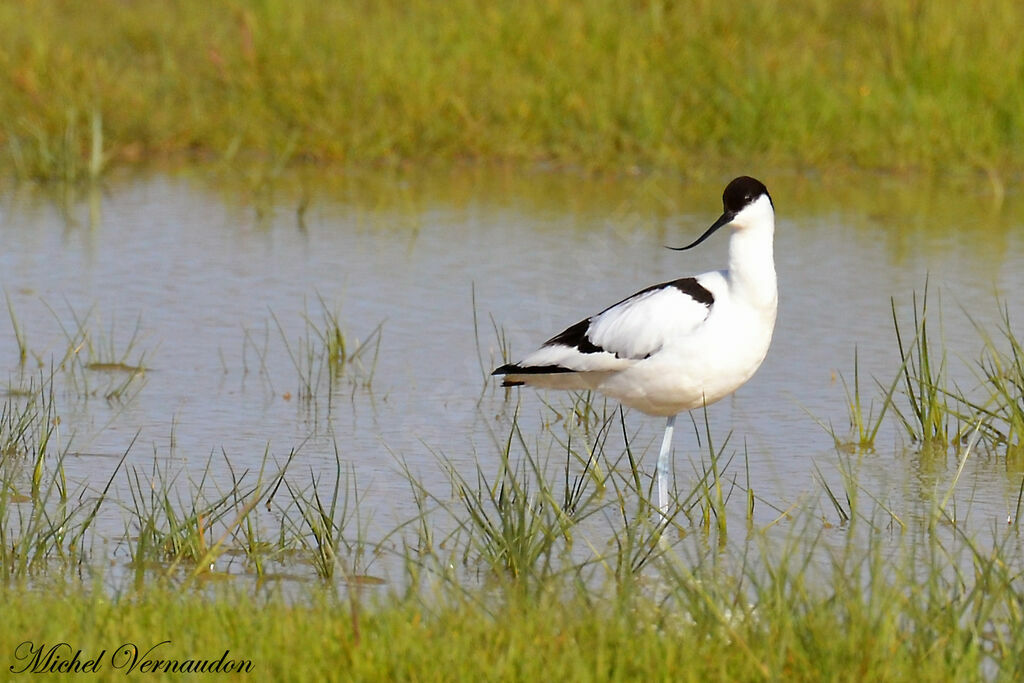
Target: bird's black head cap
(742, 191)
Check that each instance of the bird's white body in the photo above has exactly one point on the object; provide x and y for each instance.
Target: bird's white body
(678, 345)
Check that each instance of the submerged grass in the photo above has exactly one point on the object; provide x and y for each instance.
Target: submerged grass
(324, 356)
(100, 362)
(598, 84)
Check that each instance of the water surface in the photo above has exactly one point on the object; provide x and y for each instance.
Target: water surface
(216, 279)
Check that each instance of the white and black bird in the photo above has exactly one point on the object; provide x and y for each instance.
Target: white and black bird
(678, 345)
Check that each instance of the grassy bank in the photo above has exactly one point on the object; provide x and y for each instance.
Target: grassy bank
(870, 618)
(901, 85)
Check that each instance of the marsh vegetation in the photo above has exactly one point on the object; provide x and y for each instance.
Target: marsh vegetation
(598, 85)
(559, 543)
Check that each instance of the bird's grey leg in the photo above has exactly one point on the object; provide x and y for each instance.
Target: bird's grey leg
(663, 467)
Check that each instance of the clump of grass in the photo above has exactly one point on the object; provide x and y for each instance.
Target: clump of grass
(28, 420)
(864, 426)
(517, 519)
(19, 333)
(529, 522)
(164, 530)
(708, 495)
(323, 355)
(1002, 373)
(97, 363)
(517, 523)
(42, 519)
(325, 533)
(174, 526)
(927, 413)
(171, 525)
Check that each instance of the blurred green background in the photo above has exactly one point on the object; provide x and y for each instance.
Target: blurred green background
(896, 84)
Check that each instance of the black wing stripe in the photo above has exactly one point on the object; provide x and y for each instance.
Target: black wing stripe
(513, 369)
(575, 337)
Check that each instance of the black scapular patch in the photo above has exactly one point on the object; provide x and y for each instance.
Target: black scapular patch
(686, 285)
(693, 289)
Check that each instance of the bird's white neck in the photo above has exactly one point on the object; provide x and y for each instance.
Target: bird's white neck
(751, 259)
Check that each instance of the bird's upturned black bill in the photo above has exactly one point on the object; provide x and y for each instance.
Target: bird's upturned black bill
(724, 219)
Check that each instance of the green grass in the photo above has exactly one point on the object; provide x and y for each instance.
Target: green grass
(893, 608)
(598, 84)
(927, 412)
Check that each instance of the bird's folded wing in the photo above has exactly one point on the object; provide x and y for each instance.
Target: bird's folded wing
(631, 330)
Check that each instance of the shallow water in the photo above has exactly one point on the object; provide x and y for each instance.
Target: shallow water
(217, 278)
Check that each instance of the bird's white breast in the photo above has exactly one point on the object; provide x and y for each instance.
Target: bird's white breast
(703, 366)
